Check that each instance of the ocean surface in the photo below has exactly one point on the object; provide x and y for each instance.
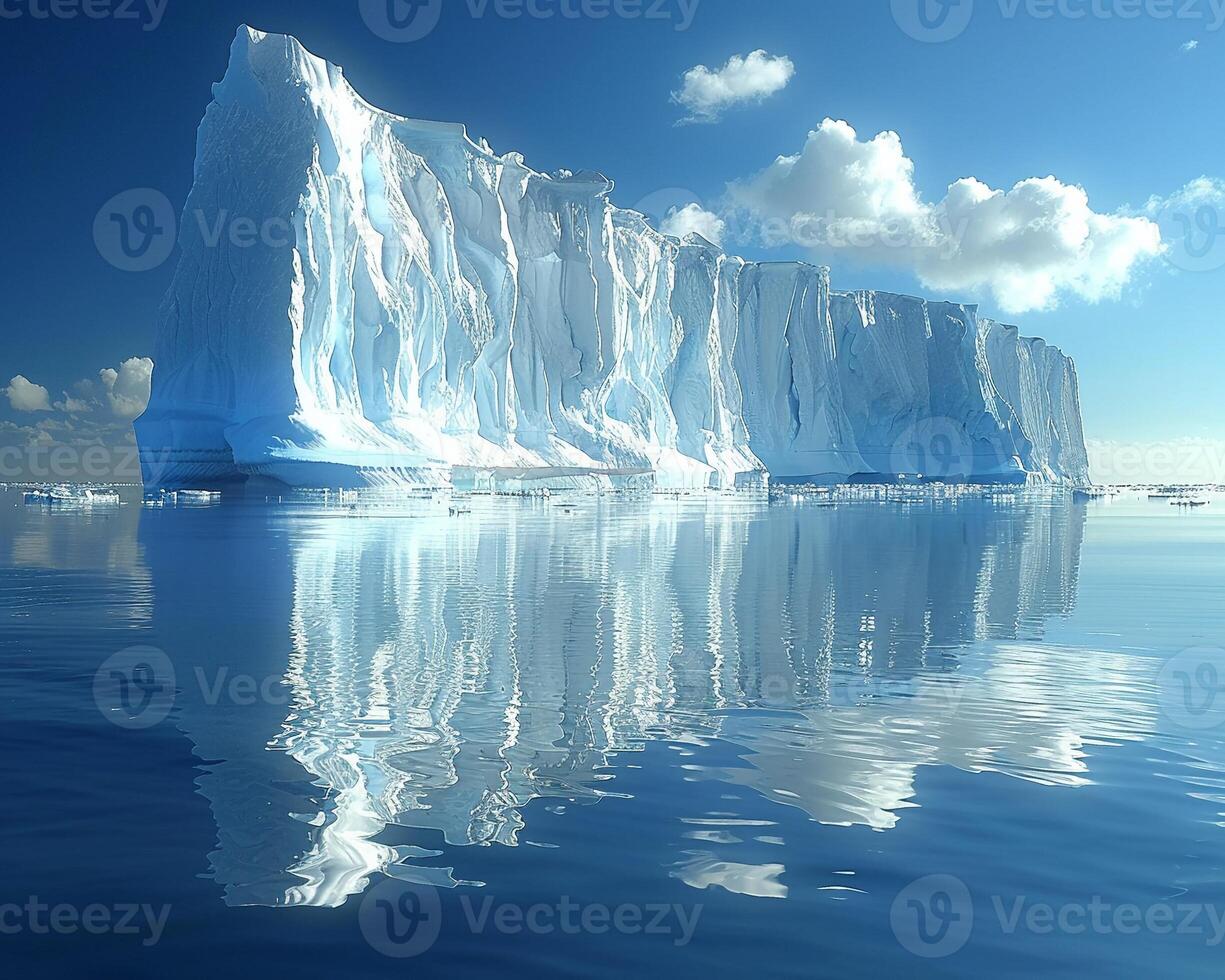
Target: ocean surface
(666, 737)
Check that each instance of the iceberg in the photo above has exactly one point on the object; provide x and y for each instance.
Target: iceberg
(418, 310)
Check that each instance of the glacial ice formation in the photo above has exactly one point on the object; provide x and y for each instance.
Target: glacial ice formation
(415, 308)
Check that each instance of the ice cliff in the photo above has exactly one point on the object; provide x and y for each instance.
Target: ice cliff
(405, 305)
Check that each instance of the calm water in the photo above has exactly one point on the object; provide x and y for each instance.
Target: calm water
(686, 738)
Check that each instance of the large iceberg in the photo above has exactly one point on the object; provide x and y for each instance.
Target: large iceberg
(416, 309)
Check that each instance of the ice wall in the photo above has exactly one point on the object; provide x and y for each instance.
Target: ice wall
(414, 308)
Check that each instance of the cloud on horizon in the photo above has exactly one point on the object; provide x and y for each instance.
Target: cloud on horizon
(86, 436)
(123, 392)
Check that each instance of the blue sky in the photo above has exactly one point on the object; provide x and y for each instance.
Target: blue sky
(1113, 103)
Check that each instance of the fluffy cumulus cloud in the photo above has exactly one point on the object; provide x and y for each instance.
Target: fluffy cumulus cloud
(1027, 246)
(694, 219)
(127, 390)
(121, 393)
(26, 396)
(85, 436)
(707, 93)
(1200, 193)
(1035, 242)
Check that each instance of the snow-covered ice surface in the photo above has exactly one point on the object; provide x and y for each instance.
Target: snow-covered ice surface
(436, 314)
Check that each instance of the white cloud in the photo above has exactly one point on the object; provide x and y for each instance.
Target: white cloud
(122, 393)
(1201, 192)
(87, 435)
(127, 390)
(750, 78)
(1190, 46)
(26, 396)
(694, 219)
(1192, 222)
(840, 180)
(1027, 246)
(1035, 242)
(73, 405)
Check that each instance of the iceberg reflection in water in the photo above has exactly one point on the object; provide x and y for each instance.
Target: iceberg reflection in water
(443, 672)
